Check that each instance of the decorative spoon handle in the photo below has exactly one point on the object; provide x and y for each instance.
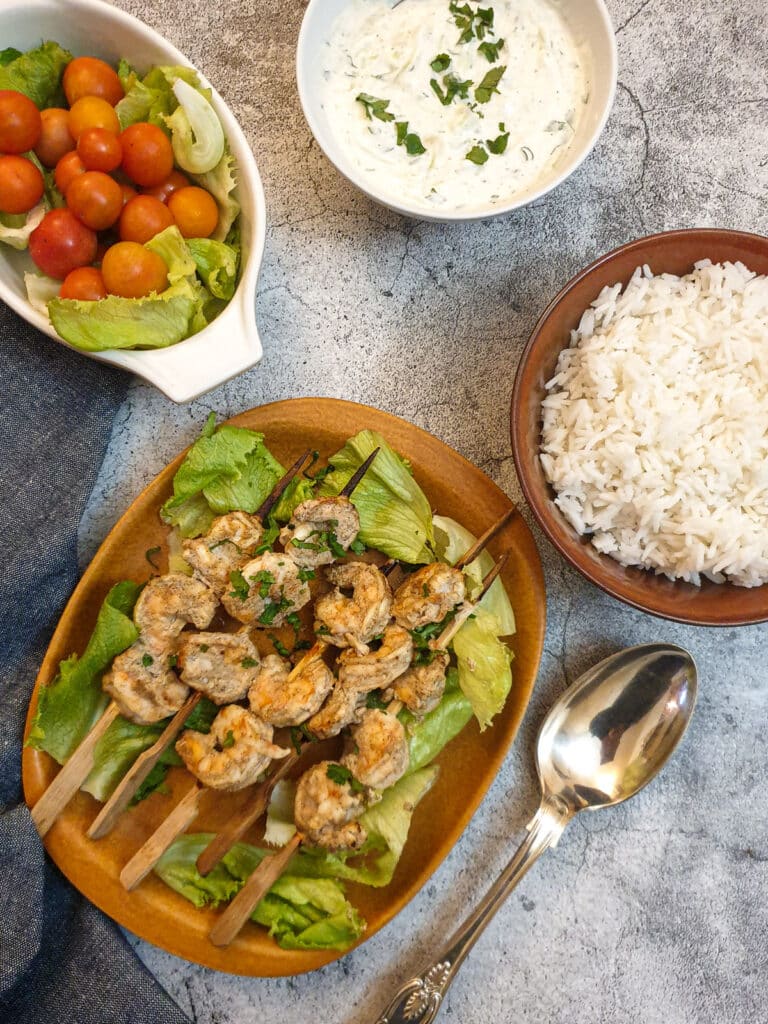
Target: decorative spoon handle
(418, 1000)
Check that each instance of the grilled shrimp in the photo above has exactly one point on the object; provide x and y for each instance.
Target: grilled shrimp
(271, 588)
(169, 602)
(342, 708)
(228, 545)
(220, 665)
(428, 595)
(281, 698)
(377, 669)
(422, 686)
(307, 538)
(381, 755)
(142, 684)
(233, 754)
(325, 810)
(355, 620)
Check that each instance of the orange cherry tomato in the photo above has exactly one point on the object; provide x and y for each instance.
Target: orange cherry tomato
(143, 218)
(174, 181)
(92, 112)
(95, 199)
(84, 283)
(99, 149)
(60, 243)
(21, 184)
(147, 154)
(132, 271)
(195, 211)
(67, 169)
(20, 124)
(89, 76)
(55, 140)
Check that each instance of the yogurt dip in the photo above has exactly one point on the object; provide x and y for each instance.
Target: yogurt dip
(454, 105)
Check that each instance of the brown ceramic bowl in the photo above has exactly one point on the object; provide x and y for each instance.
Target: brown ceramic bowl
(672, 252)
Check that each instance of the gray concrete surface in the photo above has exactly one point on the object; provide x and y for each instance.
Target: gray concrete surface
(654, 913)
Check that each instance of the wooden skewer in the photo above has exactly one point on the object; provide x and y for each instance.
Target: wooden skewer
(281, 486)
(139, 770)
(72, 775)
(260, 882)
(482, 542)
(466, 610)
(145, 858)
(358, 475)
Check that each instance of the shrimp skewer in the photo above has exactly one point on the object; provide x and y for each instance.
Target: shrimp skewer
(327, 806)
(164, 607)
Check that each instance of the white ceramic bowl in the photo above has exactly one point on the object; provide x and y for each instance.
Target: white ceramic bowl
(591, 25)
(231, 343)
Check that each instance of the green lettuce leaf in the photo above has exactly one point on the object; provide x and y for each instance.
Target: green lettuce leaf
(395, 516)
(196, 133)
(154, 322)
(300, 912)
(217, 264)
(428, 736)
(451, 541)
(72, 703)
(10, 53)
(15, 229)
(150, 98)
(37, 73)
(222, 184)
(484, 661)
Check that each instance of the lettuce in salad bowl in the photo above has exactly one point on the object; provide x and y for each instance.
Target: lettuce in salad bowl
(200, 329)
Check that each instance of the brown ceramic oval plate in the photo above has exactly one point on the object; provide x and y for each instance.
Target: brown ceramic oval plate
(156, 913)
(672, 252)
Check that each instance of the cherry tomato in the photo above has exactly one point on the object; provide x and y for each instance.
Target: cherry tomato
(21, 184)
(89, 76)
(60, 243)
(67, 169)
(92, 112)
(20, 125)
(95, 199)
(85, 283)
(99, 149)
(129, 192)
(174, 181)
(132, 271)
(147, 154)
(195, 211)
(55, 140)
(143, 218)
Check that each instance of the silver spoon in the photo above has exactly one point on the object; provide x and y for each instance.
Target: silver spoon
(607, 736)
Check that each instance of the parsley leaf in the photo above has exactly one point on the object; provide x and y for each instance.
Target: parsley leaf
(203, 648)
(228, 741)
(477, 155)
(269, 537)
(342, 776)
(374, 107)
(374, 701)
(489, 84)
(411, 141)
(265, 580)
(306, 574)
(484, 19)
(357, 546)
(491, 50)
(272, 609)
(173, 660)
(441, 62)
(279, 646)
(333, 544)
(240, 588)
(499, 144)
(294, 621)
(147, 660)
(452, 87)
(249, 663)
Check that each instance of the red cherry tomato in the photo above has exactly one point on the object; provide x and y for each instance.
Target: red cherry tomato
(92, 112)
(20, 124)
(143, 218)
(99, 149)
(174, 181)
(129, 192)
(89, 76)
(61, 243)
(55, 140)
(132, 271)
(85, 283)
(147, 154)
(67, 169)
(195, 211)
(21, 184)
(95, 199)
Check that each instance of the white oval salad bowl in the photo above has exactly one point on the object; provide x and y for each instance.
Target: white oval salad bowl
(230, 344)
(590, 24)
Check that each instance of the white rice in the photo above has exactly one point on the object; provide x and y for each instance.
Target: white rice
(655, 426)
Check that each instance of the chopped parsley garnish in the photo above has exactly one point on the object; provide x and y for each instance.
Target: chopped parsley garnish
(484, 19)
(411, 141)
(268, 538)
(342, 776)
(203, 648)
(477, 155)
(357, 546)
(279, 646)
(306, 574)
(272, 609)
(321, 474)
(441, 63)
(228, 741)
(374, 107)
(226, 540)
(147, 660)
(149, 554)
(336, 548)
(489, 84)
(308, 545)
(266, 581)
(472, 23)
(249, 663)
(451, 88)
(240, 588)
(301, 734)
(491, 50)
(322, 630)
(173, 660)
(294, 622)
(302, 645)
(374, 701)
(424, 590)
(499, 144)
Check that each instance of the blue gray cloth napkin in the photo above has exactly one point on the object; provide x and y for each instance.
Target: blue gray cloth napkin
(61, 960)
